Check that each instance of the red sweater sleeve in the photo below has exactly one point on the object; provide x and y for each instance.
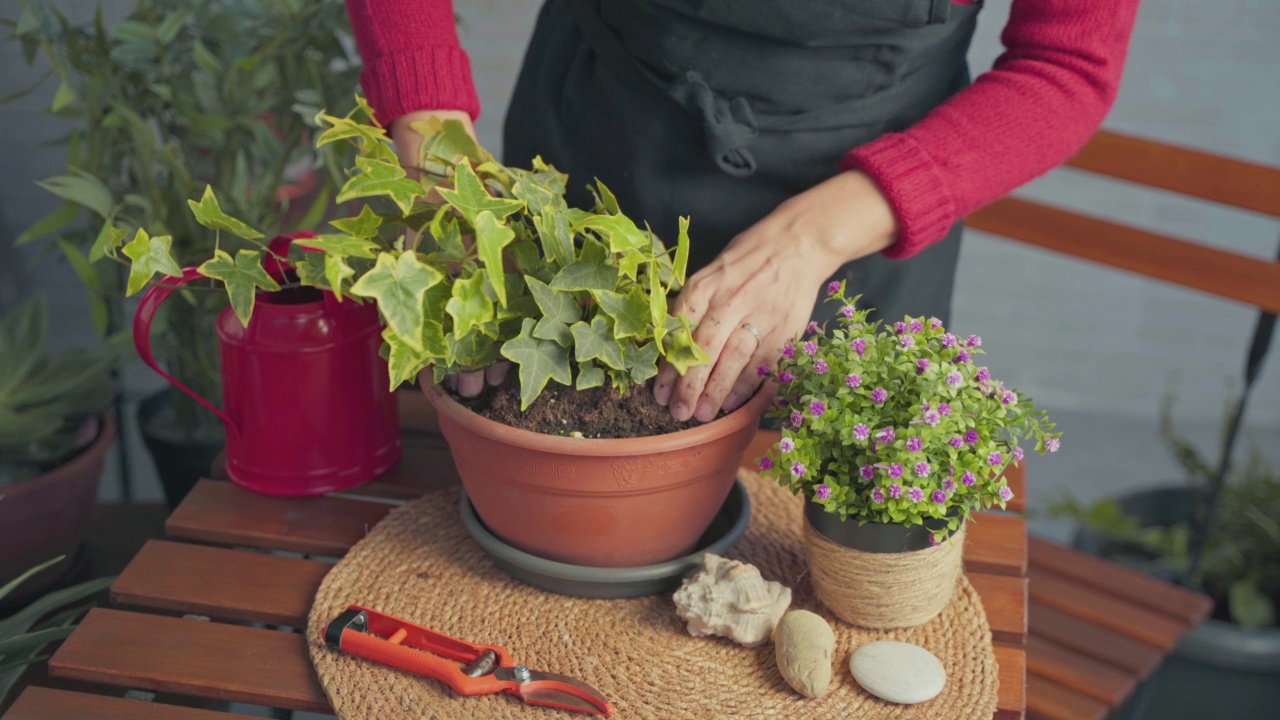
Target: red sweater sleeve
(1043, 99)
(412, 59)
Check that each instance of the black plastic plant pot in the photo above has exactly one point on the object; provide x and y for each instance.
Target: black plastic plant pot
(872, 537)
(180, 462)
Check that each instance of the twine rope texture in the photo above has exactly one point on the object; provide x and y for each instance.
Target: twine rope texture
(419, 564)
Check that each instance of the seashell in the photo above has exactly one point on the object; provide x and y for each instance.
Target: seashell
(730, 599)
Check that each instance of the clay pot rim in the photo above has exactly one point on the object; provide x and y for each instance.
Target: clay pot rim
(86, 457)
(748, 413)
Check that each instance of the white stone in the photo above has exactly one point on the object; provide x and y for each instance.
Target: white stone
(897, 671)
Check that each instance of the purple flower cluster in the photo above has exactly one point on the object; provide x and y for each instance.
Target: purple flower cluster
(922, 469)
(766, 463)
(820, 367)
(877, 496)
(797, 469)
(822, 492)
(915, 494)
(916, 326)
(867, 472)
(847, 311)
(955, 379)
(921, 366)
(762, 370)
(885, 435)
(788, 351)
(817, 408)
(812, 327)
(914, 444)
(785, 377)
(833, 287)
(861, 431)
(879, 395)
(939, 497)
(859, 346)
(906, 341)
(853, 380)
(796, 418)
(810, 348)
(786, 445)
(968, 479)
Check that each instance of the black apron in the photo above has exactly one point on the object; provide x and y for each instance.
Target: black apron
(722, 109)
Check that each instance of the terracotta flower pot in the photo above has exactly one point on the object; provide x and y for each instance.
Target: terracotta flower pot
(879, 575)
(599, 502)
(44, 517)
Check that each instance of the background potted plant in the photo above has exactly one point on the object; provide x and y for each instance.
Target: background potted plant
(493, 263)
(895, 436)
(178, 94)
(55, 430)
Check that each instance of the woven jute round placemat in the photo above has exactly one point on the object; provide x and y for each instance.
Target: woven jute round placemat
(420, 565)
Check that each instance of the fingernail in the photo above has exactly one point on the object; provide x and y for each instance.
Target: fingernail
(662, 394)
(705, 412)
(680, 412)
(731, 402)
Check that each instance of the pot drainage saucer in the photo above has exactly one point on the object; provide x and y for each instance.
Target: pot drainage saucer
(601, 582)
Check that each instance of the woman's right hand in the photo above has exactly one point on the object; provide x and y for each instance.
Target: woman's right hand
(408, 142)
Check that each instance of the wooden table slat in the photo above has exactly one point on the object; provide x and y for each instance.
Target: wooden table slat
(38, 703)
(1180, 603)
(1047, 700)
(267, 667)
(191, 657)
(1101, 608)
(219, 512)
(1011, 697)
(1079, 672)
(1118, 649)
(220, 583)
(1005, 600)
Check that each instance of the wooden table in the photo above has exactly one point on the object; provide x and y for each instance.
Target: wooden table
(181, 625)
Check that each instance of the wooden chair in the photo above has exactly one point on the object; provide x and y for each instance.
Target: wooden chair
(1097, 631)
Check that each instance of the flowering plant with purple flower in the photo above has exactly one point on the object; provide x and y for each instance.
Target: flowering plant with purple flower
(896, 423)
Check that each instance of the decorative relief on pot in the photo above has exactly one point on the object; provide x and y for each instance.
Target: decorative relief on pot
(541, 467)
(689, 463)
(631, 472)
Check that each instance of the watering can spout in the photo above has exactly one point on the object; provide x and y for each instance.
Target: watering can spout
(147, 308)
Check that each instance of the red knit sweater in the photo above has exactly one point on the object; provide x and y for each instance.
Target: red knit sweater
(1041, 101)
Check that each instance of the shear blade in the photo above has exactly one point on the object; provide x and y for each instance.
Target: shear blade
(558, 698)
(562, 691)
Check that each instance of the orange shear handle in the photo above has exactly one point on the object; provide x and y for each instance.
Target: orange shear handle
(418, 662)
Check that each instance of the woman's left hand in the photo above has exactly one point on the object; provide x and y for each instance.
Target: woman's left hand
(768, 278)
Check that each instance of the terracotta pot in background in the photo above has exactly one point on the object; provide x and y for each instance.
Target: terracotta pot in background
(44, 517)
(609, 502)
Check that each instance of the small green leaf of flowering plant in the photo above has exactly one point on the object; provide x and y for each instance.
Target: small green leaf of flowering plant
(897, 423)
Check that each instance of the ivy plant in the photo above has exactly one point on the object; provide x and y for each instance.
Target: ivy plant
(468, 261)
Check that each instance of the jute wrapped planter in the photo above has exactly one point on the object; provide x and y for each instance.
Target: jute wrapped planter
(878, 575)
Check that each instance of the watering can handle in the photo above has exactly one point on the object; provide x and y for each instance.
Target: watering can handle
(150, 303)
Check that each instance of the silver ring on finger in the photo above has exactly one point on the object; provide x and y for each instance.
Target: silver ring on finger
(754, 331)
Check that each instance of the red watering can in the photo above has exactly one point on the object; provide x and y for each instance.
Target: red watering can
(305, 395)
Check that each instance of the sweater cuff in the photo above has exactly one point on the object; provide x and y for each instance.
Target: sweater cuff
(435, 77)
(915, 187)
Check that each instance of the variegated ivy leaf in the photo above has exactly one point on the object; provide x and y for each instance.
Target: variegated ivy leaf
(559, 311)
(589, 376)
(469, 197)
(642, 361)
(596, 342)
(630, 312)
(149, 255)
(619, 230)
(557, 239)
(242, 277)
(605, 201)
(404, 363)
(398, 285)
(340, 244)
(108, 241)
(336, 270)
(448, 237)
(476, 350)
(209, 214)
(591, 271)
(539, 361)
(679, 348)
(381, 178)
(311, 270)
(491, 237)
(444, 143)
(469, 306)
(364, 225)
(658, 317)
(341, 128)
(681, 263)
(629, 262)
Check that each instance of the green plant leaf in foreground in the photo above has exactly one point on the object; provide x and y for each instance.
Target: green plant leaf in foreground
(364, 225)
(591, 271)
(681, 351)
(469, 197)
(242, 277)
(380, 178)
(539, 361)
(630, 312)
(150, 255)
(491, 237)
(209, 214)
(469, 306)
(596, 342)
(398, 286)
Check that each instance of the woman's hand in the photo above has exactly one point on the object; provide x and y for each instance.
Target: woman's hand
(768, 278)
(408, 142)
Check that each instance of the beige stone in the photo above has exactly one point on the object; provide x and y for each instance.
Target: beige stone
(804, 646)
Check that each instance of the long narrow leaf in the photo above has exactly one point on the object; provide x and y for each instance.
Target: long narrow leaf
(22, 620)
(33, 640)
(14, 583)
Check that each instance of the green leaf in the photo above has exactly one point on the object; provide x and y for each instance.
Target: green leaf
(605, 200)
(448, 237)
(657, 306)
(336, 270)
(629, 262)
(341, 245)
(340, 128)
(150, 255)
(404, 363)
(630, 312)
(49, 224)
(242, 276)
(642, 361)
(619, 230)
(539, 361)
(364, 225)
(596, 342)
(379, 178)
(475, 350)
(469, 306)
(554, 304)
(491, 237)
(63, 98)
(32, 640)
(537, 197)
(81, 188)
(444, 143)
(89, 277)
(209, 214)
(681, 264)
(398, 286)
(680, 349)
(589, 376)
(557, 239)
(108, 241)
(23, 334)
(591, 271)
(1249, 606)
(469, 197)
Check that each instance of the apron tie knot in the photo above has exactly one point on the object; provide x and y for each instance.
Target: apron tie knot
(729, 125)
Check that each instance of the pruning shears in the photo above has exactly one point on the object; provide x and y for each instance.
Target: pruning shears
(468, 668)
